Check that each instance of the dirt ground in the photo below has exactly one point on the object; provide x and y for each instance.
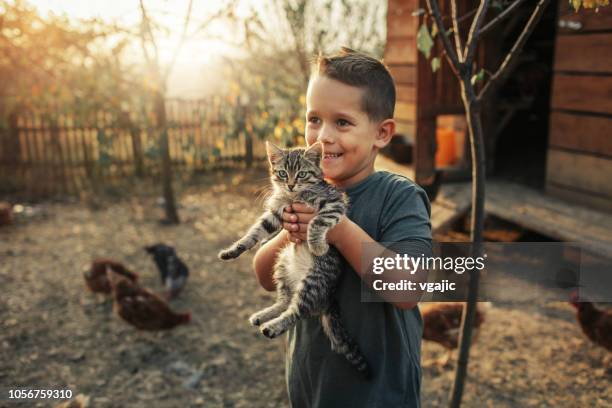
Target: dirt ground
(56, 334)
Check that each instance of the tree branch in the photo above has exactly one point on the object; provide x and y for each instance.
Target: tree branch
(511, 59)
(204, 25)
(451, 54)
(508, 11)
(474, 35)
(177, 49)
(146, 30)
(455, 20)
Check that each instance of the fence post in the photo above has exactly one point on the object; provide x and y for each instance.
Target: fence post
(59, 168)
(248, 139)
(134, 130)
(13, 144)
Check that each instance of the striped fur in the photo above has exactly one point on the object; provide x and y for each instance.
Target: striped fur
(306, 275)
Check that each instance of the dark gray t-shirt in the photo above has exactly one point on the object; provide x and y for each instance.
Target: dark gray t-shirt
(390, 208)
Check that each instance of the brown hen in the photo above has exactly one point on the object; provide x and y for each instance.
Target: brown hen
(142, 308)
(96, 278)
(596, 324)
(441, 322)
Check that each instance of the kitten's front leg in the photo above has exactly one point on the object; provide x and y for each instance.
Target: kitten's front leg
(265, 226)
(327, 218)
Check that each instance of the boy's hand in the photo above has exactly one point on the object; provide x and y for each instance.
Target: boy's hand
(295, 220)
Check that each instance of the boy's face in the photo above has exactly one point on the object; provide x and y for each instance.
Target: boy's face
(349, 138)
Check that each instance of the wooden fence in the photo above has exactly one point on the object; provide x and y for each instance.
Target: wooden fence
(49, 153)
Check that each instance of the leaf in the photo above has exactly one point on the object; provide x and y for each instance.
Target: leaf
(478, 77)
(435, 64)
(434, 30)
(497, 4)
(589, 4)
(424, 40)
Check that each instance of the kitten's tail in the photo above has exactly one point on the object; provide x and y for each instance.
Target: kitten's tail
(341, 342)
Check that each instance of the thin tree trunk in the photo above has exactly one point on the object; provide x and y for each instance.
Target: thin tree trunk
(472, 110)
(162, 127)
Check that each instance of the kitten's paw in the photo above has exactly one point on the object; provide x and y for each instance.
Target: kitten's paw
(272, 330)
(225, 255)
(255, 320)
(231, 253)
(318, 248)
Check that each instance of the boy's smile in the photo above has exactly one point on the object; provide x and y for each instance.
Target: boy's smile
(350, 140)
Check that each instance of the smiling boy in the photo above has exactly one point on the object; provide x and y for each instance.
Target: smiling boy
(350, 102)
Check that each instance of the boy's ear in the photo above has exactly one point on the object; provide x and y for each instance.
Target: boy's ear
(386, 130)
(314, 152)
(274, 152)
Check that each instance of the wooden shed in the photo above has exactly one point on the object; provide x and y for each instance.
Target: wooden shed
(549, 127)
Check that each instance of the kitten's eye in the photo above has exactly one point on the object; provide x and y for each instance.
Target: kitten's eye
(282, 173)
(301, 174)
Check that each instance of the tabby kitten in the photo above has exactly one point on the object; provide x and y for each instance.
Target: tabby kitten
(305, 275)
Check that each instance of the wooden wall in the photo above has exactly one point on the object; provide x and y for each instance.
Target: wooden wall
(401, 58)
(579, 162)
(421, 94)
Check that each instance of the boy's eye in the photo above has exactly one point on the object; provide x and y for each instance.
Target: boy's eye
(314, 120)
(301, 174)
(282, 173)
(343, 122)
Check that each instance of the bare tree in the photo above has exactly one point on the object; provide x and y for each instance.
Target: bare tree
(283, 36)
(462, 58)
(160, 74)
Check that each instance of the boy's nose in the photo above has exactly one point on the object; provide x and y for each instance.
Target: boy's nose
(326, 135)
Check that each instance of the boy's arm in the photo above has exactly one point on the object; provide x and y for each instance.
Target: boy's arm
(265, 258)
(349, 238)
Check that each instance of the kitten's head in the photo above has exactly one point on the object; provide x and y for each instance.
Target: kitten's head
(295, 169)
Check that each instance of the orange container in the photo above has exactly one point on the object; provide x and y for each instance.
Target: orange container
(446, 154)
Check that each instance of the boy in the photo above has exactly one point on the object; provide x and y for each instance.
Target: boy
(350, 102)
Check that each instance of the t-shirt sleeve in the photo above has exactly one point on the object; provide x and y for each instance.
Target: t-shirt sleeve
(406, 218)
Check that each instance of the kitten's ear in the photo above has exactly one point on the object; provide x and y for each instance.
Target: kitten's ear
(313, 153)
(274, 152)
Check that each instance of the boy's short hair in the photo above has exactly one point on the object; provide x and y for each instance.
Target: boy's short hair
(356, 69)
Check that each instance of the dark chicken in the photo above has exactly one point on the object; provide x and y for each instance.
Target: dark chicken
(441, 323)
(96, 277)
(142, 308)
(172, 270)
(596, 324)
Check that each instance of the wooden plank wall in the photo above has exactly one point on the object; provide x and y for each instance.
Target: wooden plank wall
(421, 94)
(579, 163)
(401, 58)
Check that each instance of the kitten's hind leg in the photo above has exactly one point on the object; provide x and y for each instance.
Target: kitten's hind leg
(268, 313)
(265, 226)
(275, 327)
(341, 342)
(272, 312)
(312, 293)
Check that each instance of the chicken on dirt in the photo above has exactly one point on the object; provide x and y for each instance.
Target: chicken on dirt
(441, 323)
(142, 308)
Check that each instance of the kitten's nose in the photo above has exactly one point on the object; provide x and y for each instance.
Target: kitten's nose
(290, 186)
